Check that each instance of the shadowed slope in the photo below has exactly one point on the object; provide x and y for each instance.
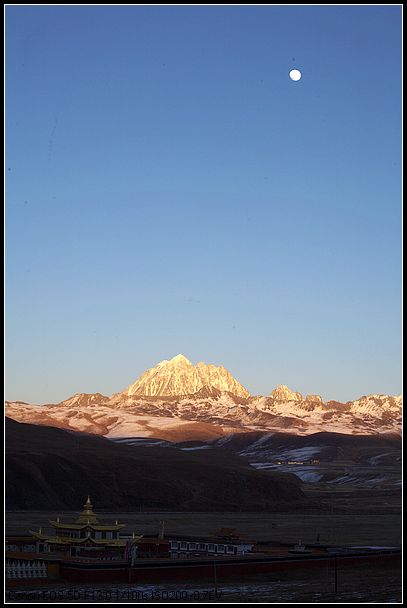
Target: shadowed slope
(49, 468)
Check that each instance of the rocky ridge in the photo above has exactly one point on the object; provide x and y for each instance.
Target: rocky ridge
(176, 401)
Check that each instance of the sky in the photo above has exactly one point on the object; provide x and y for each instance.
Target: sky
(170, 190)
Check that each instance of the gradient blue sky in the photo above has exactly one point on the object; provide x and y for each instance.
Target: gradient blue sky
(170, 190)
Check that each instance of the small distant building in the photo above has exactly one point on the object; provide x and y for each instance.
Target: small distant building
(299, 548)
(153, 547)
(85, 537)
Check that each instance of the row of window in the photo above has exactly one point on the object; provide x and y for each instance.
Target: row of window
(190, 546)
(93, 534)
(24, 548)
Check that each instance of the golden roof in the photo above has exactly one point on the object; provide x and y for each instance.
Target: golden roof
(60, 540)
(100, 527)
(87, 515)
(86, 518)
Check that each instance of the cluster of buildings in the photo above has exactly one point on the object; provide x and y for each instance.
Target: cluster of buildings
(87, 550)
(87, 538)
(312, 461)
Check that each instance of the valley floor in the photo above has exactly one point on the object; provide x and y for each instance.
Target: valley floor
(348, 515)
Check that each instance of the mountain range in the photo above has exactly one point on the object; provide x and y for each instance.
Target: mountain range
(178, 401)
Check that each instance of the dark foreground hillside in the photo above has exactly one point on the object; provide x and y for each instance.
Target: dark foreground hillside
(49, 468)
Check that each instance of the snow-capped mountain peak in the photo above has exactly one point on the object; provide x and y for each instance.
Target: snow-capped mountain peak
(314, 398)
(179, 377)
(180, 359)
(283, 393)
(84, 400)
(376, 405)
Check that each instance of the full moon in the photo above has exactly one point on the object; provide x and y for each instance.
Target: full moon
(295, 75)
